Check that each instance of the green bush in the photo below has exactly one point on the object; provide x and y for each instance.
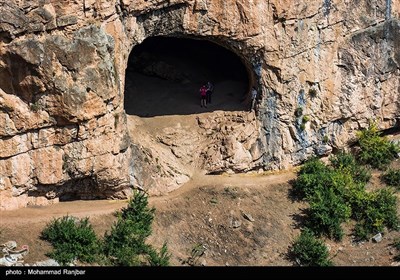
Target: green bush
(71, 239)
(345, 162)
(327, 212)
(392, 178)
(298, 112)
(376, 151)
(309, 251)
(311, 176)
(325, 189)
(312, 92)
(378, 209)
(356, 196)
(159, 258)
(312, 166)
(316, 176)
(338, 192)
(305, 119)
(361, 232)
(125, 244)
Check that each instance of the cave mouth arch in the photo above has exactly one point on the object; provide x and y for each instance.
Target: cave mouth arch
(164, 74)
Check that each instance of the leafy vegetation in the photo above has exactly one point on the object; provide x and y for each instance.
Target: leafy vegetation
(376, 151)
(328, 211)
(392, 178)
(124, 245)
(307, 250)
(312, 92)
(378, 209)
(337, 192)
(345, 162)
(298, 112)
(310, 177)
(35, 107)
(72, 239)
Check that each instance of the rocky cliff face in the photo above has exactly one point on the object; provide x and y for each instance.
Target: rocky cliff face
(322, 73)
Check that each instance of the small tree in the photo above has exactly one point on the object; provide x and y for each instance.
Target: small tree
(328, 211)
(379, 209)
(345, 162)
(392, 178)
(125, 244)
(311, 177)
(72, 239)
(376, 151)
(307, 250)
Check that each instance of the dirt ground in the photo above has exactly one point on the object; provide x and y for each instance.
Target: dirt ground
(218, 220)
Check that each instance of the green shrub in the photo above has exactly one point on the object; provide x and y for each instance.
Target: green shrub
(316, 176)
(312, 166)
(356, 196)
(298, 112)
(327, 212)
(312, 176)
(159, 258)
(378, 209)
(305, 119)
(345, 162)
(376, 151)
(71, 239)
(35, 107)
(361, 232)
(312, 92)
(125, 244)
(392, 178)
(325, 189)
(309, 251)
(337, 193)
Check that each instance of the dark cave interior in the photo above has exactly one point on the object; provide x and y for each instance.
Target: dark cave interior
(164, 75)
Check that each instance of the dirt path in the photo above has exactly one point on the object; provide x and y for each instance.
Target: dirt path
(78, 209)
(251, 180)
(85, 208)
(24, 225)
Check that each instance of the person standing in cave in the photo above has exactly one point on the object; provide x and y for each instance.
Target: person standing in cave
(210, 88)
(203, 96)
(253, 98)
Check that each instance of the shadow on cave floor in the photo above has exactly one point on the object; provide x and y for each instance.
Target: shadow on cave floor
(163, 97)
(166, 81)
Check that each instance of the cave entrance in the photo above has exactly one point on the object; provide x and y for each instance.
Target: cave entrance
(164, 74)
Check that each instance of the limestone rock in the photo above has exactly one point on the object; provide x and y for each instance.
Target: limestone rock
(62, 73)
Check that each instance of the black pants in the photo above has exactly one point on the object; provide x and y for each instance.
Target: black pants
(209, 97)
